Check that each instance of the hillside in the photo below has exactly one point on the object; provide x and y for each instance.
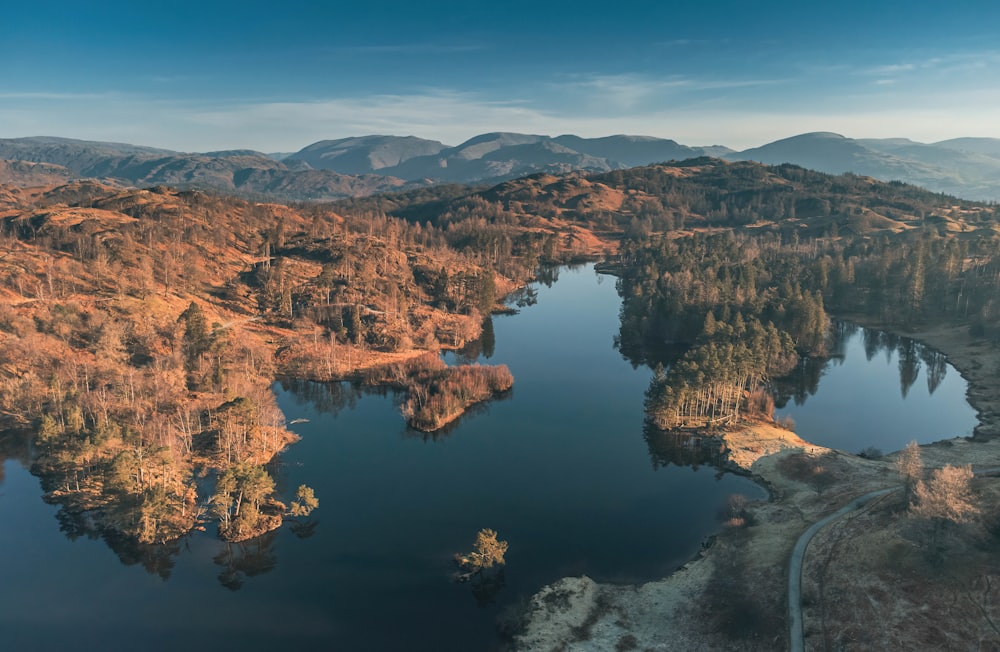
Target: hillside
(140, 331)
(347, 167)
(496, 156)
(986, 146)
(368, 165)
(26, 173)
(364, 154)
(240, 172)
(972, 171)
(694, 194)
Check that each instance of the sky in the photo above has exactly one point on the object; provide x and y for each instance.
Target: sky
(275, 77)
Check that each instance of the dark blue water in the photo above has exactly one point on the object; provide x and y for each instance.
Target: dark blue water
(881, 391)
(560, 469)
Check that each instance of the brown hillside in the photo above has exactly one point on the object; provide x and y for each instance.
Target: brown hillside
(140, 331)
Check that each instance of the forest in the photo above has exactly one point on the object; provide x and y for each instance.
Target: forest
(142, 329)
(729, 272)
(751, 308)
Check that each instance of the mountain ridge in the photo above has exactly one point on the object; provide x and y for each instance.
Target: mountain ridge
(364, 165)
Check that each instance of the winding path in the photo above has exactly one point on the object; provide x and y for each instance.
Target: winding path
(795, 564)
(797, 644)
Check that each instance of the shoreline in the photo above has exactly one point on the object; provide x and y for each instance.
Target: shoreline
(805, 482)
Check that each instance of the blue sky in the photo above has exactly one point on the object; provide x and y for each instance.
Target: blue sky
(278, 76)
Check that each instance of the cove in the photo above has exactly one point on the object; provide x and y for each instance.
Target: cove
(877, 390)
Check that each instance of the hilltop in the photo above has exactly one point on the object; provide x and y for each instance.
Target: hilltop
(367, 165)
(241, 172)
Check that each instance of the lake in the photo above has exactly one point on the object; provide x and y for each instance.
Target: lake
(560, 468)
(879, 390)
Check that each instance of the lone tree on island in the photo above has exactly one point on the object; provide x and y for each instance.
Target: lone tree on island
(488, 552)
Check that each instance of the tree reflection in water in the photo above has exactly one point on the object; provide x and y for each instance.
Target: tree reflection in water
(246, 559)
(689, 448)
(327, 398)
(155, 558)
(14, 445)
(680, 447)
(912, 356)
(486, 586)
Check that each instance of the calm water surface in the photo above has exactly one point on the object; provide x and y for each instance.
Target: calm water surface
(560, 468)
(879, 390)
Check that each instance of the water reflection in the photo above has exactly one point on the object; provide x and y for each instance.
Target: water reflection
(909, 365)
(335, 397)
(155, 558)
(328, 398)
(680, 448)
(246, 559)
(801, 383)
(937, 367)
(548, 275)
(14, 445)
(872, 394)
(912, 357)
(523, 297)
(486, 587)
(478, 349)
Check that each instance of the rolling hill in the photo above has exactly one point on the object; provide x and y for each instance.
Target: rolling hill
(963, 167)
(366, 165)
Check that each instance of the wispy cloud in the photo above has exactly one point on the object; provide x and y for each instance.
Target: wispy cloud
(955, 62)
(890, 69)
(689, 109)
(631, 92)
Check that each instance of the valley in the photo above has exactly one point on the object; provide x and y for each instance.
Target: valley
(143, 332)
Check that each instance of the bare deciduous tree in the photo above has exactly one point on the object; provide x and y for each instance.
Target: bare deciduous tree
(947, 496)
(911, 468)
(944, 507)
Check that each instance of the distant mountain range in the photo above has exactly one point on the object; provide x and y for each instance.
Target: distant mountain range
(352, 167)
(964, 167)
(491, 157)
(241, 172)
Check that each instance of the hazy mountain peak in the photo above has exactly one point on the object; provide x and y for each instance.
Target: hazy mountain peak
(358, 165)
(365, 154)
(985, 146)
(503, 138)
(226, 153)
